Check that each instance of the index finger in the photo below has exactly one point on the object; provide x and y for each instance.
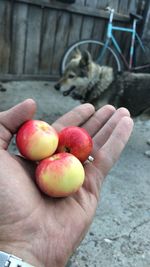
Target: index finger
(110, 152)
(75, 117)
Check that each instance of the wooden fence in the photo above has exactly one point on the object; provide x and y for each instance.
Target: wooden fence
(35, 33)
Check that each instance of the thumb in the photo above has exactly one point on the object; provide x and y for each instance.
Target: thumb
(12, 119)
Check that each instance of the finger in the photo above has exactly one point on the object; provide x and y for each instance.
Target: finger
(102, 136)
(18, 114)
(110, 152)
(107, 156)
(98, 120)
(12, 119)
(75, 117)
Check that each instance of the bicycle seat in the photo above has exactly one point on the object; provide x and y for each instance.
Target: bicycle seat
(135, 16)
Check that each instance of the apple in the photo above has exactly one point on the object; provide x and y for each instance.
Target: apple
(76, 141)
(60, 175)
(36, 140)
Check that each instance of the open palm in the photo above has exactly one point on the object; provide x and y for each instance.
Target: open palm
(45, 231)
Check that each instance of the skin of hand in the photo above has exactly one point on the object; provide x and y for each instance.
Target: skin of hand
(44, 231)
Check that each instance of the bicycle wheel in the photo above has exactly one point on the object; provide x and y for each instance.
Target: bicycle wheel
(95, 48)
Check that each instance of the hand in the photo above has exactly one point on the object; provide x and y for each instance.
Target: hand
(45, 231)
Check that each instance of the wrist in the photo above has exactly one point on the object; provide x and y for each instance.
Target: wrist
(21, 254)
(8, 260)
(27, 256)
(33, 249)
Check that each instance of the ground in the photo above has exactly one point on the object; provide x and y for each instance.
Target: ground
(120, 233)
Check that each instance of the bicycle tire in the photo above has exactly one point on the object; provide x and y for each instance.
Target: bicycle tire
(78, 44)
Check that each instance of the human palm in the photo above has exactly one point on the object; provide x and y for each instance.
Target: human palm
(45, 231)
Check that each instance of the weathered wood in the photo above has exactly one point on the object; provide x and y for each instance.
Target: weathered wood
(143, 58)
(146, 31)
(5, 37)
(49, 25)
(88, 11)
(132, 6)
(35, 33)
(123, 7)
(88, 22)
(75, 25)
(114, 4)
(61, 36)
(102, 4)
(18, 38)
(23, 77)
(99, 29)
(80, 2)
(33, 40)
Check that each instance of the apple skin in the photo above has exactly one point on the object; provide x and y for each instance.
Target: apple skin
(36, 140)
(60, 175)
(76, 141)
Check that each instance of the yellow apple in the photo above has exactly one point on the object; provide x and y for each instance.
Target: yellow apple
(60, 175)
(36, 140)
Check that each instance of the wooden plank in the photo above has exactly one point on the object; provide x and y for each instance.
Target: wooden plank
(115, 4)
(100, 25)
(123, 7)
(74, 30)
(102, 4)
(87, 28)
(75, 25)
(88, 22)
(77, 9)
(41, 33)
(33, 40)
(24, 77)
(47, 40)
(18, 38)
(61, 37)
(80, 2)
(111, 3)
(99, 29)
(143, 58)
(5, 11)
(132, 6)
(146, 31)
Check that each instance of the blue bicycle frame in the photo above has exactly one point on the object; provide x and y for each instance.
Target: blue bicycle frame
(110, 37)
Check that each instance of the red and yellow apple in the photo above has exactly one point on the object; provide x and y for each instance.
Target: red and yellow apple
(76, 141)
(60, 175)
(36, 140)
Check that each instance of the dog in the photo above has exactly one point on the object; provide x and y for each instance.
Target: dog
(87, 81)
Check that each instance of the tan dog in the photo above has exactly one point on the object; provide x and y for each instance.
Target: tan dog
(85, 80)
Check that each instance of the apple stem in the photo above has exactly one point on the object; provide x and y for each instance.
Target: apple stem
(67, 149)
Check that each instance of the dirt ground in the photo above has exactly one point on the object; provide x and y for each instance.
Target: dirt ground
(120, 233)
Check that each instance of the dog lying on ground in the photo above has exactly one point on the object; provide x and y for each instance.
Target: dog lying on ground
(89, 82)
(85, 80)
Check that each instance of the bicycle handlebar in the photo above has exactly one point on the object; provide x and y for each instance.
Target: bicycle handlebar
(111, 10)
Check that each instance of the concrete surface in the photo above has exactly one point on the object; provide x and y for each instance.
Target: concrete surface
(120, 233)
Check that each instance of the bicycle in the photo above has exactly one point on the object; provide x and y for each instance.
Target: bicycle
(103, 52)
